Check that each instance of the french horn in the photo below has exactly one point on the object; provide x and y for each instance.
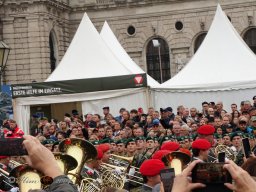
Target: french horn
(229, 153)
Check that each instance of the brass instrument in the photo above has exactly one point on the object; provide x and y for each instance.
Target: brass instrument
(229, 153)
(177, 160)
(83, 151)
(65, 162)
(90, 185)
(26, 177)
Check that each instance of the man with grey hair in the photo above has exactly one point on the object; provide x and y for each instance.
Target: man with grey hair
(176, 129)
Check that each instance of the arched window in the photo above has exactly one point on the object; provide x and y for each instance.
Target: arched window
(250, 39)
(53, 50)
(158, 58)
(199, 41)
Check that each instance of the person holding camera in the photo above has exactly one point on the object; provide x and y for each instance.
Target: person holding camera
(242, 181)
(41, 159)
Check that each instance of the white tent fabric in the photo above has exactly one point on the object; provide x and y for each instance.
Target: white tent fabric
(223, 69)
(111, 41)
(223, 61)
(88, 57)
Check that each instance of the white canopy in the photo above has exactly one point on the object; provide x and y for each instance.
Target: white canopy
(111, 41)
(222, 62)
(88, 57)
(223, 69)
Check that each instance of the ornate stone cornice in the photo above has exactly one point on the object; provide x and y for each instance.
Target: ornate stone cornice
(60, 4)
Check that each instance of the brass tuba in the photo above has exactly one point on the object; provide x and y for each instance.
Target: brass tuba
(26, 177)
(65, 162)
(83, 151)
(229, 153)
(177, 160)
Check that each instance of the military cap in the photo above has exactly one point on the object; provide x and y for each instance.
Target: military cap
(251, 136)
(151, 167)
(104, 147)
(171, 146)
(165, 138)
(48, 141)
(100, 153)
(129, 140)
(206, 130)
(217, 136)
(105, 140)
(237, 133)
(160, 153)
(149, 138)
(140, 138)
(202, 144)
(156, 139)
(106, 107)
(173, 137)
(120, 141)
(181, 138)
(96, 142)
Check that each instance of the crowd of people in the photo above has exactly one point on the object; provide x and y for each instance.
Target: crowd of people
(147, 136)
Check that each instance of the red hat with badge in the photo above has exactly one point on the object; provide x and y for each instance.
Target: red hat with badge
(171, 146)
(3, 157)
(206, 130)
(202, 144)
(151, 167)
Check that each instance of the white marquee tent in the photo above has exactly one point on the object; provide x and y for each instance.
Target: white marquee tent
(87, 57)
(111, 41)
(223, 69)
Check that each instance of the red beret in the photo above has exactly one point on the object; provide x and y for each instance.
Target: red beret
(201, 144)
(100, 154)
(104, 147)
(171, 146)
(206, 130)
(186, 151)
(159, 154)
(151, 167)
(3, 157)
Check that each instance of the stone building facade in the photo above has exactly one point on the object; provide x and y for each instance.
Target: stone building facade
(39, 31)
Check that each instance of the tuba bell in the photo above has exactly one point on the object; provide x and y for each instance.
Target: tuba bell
(177, 160)
(65, 162)
(83, 151)
(26, 177)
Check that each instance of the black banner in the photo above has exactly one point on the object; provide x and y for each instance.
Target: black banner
(79, 86)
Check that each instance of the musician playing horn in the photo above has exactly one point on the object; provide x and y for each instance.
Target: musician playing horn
(150, 170)
(200, 149)
(206, 132)
(90, 169)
